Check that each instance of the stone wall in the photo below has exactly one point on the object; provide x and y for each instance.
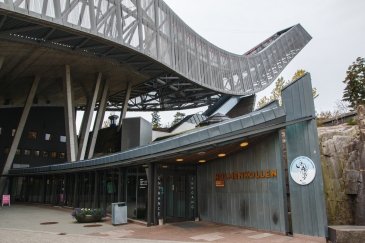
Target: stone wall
(343, 163)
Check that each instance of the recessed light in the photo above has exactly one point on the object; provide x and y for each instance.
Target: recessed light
(179, 160)
(221, 155)
(202, 153)
(165, 166)
(202, 161)
(243, 144)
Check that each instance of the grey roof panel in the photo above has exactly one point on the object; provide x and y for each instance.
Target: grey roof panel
(239, 125)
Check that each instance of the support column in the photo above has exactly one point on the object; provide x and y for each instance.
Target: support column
(70, 119)
(119, 187)
(99, 119)
(43, 189)
(65, 190)
(26, 189)
(150, 193)
(125, 105)
(76, 191)
(89, 193)
(53, 190)
(82, 191)
(103, 191)
(96, 184)
(18, 135)
(88, 116)
(1, 62)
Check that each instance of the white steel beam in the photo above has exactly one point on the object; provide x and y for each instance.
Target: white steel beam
(18, 133)
(88, 116)
(99, 119)
(70, 117)
(125, 105)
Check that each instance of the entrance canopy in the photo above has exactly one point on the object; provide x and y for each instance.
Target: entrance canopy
(234, 130)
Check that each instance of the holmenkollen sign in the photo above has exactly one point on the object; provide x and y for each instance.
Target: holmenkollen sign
(260, 174)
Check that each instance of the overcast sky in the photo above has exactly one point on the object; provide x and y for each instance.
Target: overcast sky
(337, 28)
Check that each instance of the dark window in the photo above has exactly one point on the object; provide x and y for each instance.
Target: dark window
(45, 154)
(13, 131)
(61, 155)
(53, 155)
(32, 135)
(26, 152)
(36, 153)
(17, 152)
(1, 130)
(6, 151)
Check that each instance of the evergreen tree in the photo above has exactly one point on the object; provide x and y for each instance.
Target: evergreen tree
(177, 118)
(355, 83)
(156, 119)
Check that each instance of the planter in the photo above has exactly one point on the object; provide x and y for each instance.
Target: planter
(88, 215)
(88, 219)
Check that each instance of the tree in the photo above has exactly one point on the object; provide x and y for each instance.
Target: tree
(177, 118)
(355, 83)
(275, 93)
(156, 119)
(298, 74)
(279, 85)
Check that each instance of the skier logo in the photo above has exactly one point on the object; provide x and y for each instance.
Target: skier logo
(302, 170)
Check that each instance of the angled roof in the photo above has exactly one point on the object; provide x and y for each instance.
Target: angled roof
(221, 133)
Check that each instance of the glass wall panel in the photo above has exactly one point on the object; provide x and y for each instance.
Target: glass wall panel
(137, 188)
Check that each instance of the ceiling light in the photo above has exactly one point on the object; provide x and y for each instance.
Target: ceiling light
(243, 144)
(165, 166)
(201, 153)
(179, 160)
(202, 161)
(221, 155)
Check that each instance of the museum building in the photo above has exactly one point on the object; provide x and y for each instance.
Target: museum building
(234, 165)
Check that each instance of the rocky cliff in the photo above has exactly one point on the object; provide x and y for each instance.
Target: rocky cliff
(343, 163)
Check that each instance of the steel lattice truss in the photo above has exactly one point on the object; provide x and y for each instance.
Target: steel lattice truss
(193, 72)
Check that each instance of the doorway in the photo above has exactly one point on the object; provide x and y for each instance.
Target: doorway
(179, 197)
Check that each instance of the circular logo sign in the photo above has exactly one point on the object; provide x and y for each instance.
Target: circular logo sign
(302, 170)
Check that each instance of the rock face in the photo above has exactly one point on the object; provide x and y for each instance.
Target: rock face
(340, 158)
(360, 199)
(343, 163)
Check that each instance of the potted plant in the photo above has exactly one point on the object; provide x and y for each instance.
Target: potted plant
(88, 215)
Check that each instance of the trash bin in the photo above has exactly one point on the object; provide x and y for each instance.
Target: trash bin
(119, 213)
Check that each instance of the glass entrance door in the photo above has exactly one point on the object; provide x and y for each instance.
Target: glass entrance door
(137, 187)
(176, 196)
(176, 193)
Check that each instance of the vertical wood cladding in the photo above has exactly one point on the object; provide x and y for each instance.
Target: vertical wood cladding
(307, 202)
(253, 193)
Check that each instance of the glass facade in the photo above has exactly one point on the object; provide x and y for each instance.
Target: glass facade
(172, 196)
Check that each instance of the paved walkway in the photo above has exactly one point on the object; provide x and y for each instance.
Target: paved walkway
(32, 223)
